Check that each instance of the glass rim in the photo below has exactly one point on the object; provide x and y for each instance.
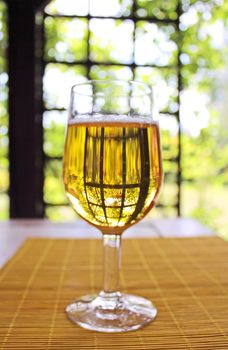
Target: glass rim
(148, 89)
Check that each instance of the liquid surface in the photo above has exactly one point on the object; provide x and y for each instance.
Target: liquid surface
(112, 172)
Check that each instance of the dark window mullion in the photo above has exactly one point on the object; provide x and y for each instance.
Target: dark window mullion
(180, 87)
(90, 63)
(133, 18)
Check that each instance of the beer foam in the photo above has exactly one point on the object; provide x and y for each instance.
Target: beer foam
(111, 118)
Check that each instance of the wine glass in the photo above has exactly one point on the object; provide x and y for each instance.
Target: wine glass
(112, 174)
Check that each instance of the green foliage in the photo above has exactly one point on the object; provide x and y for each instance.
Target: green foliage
(4, 206)
(205, 177)
(66, 39)
(169, 145)
(56, 95)
(200, 47)
(53, 185)
(205, 157)
(54, 139)
(167, 212)
(160, 9)
(163, 79)
(60, 213)
(3, 36)
(105, 43)
(168, 194)
(110, 72)
(156, 44)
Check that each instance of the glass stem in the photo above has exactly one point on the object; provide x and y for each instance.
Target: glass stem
(111, 246)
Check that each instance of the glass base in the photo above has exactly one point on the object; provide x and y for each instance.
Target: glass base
(111, 312)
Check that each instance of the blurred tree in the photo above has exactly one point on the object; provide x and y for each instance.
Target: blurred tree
(204, 60)
(156, 44)
(109, 47)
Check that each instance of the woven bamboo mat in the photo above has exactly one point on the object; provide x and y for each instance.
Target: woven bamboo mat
(186, 278)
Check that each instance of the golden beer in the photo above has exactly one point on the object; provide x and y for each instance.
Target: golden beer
(112, 171)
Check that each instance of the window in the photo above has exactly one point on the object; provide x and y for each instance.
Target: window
(110, 39)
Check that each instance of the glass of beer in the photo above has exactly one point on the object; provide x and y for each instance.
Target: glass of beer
(112, 172)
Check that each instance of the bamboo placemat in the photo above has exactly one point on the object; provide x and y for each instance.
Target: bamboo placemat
(186, 278)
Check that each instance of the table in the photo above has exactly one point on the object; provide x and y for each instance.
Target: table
(14, 232)
(187, 279)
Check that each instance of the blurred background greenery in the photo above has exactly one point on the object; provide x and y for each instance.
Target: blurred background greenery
(202, 45)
